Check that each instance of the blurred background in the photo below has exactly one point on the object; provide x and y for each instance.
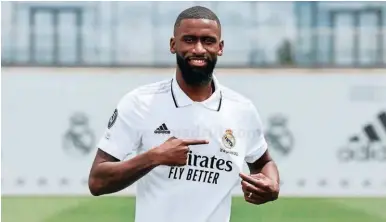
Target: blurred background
(315, 70)
(257, 34)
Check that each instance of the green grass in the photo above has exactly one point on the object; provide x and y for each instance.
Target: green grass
(121, 209)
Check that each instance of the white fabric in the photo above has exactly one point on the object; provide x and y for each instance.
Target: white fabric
(200, 191)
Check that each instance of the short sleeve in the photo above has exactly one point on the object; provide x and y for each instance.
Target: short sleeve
(122, 136)
(256, 144)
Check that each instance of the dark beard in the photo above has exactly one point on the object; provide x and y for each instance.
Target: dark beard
(196, 76)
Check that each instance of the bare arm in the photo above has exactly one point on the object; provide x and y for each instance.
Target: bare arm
(266, 166)
(109, 175)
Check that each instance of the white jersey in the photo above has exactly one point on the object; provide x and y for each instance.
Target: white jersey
(201, 190)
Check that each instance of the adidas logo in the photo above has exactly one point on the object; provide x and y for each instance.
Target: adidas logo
(370, 131)
(163, 129)
(367, 146)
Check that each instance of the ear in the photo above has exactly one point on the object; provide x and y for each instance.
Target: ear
(172, 45)
(220, 52)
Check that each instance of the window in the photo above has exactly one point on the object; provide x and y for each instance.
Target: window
(55, 35)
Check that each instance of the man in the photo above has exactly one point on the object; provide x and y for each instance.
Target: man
(190, 136)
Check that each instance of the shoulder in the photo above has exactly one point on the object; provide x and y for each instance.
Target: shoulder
(239, 99)
(243, 106)
(150, 89)
(140, 96)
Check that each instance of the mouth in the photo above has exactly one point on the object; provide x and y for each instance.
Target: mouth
(197, 62)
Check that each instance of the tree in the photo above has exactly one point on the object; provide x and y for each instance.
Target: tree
(284, 53)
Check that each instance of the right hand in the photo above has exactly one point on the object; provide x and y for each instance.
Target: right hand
(174, 152)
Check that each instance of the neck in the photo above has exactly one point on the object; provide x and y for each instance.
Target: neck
(195, 93)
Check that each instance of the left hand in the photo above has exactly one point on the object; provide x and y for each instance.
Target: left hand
(258, 188)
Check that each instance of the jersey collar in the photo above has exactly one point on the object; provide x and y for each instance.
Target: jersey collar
(180, 99)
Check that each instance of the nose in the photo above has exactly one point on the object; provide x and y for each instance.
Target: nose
(199, 48)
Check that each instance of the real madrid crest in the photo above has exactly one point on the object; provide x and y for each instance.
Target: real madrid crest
(228, 140)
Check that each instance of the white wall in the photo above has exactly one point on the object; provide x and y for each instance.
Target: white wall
(322, 111)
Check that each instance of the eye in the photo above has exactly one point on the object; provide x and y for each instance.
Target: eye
(188, 39)
(209, 40)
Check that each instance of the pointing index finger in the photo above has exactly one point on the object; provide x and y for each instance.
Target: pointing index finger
(195, 142)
